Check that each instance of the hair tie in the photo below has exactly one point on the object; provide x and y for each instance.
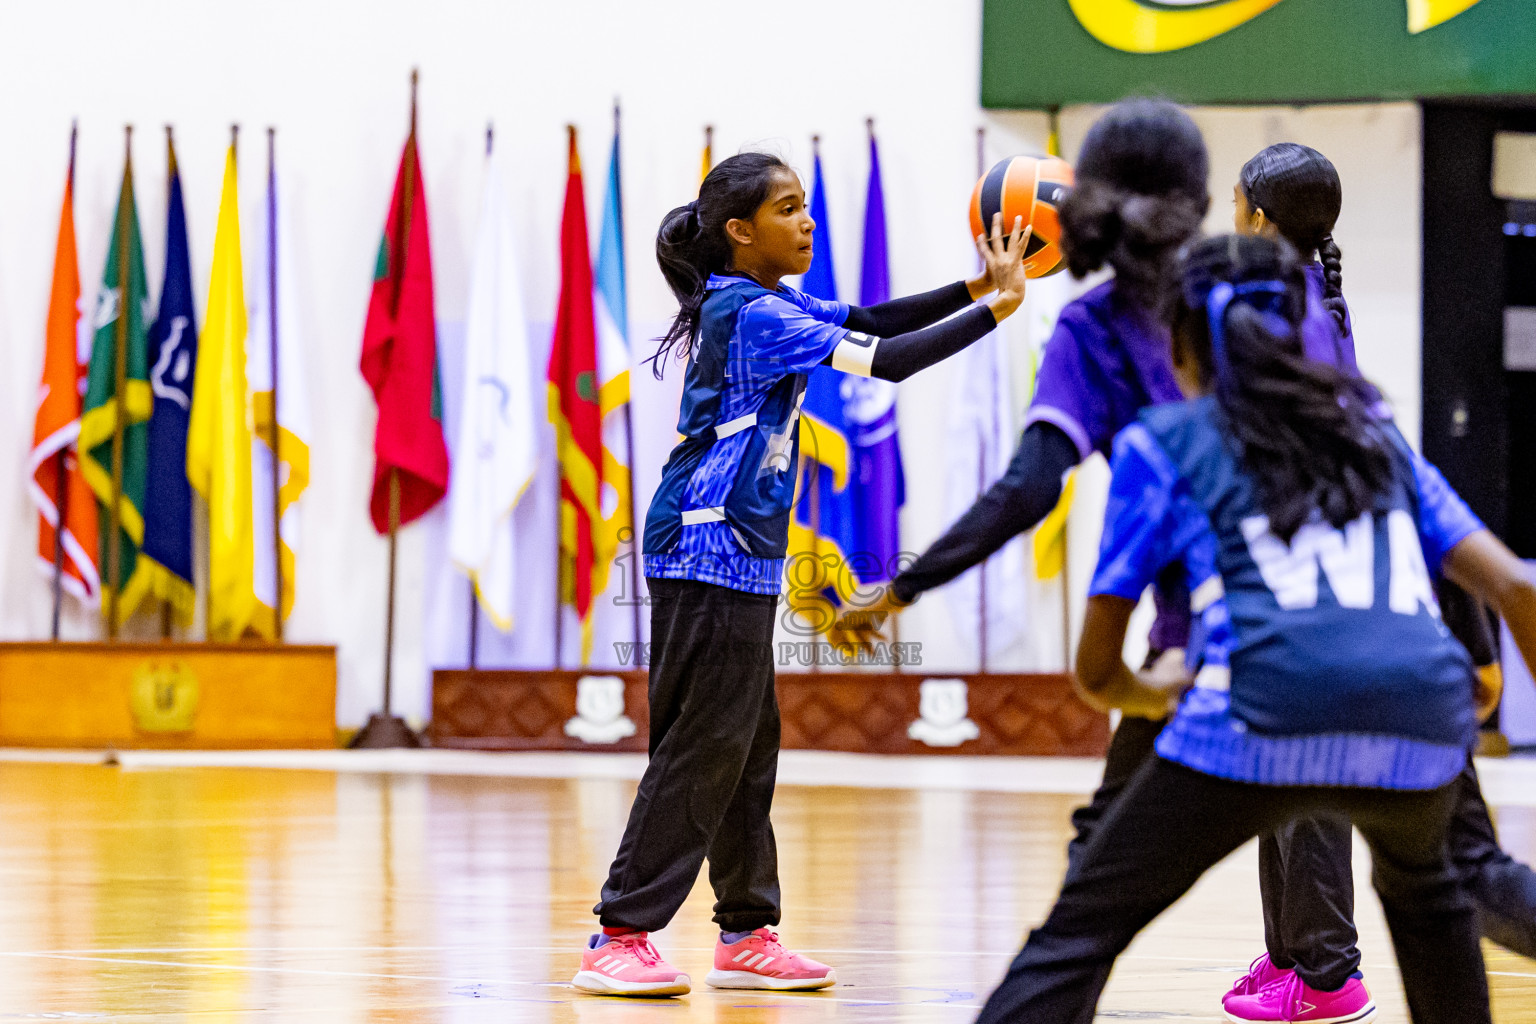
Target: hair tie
(1266, 297)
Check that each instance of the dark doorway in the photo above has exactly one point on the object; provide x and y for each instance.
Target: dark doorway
(1479, 261)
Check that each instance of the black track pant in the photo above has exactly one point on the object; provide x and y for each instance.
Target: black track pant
(1306, 879)
(1172, 824)
(714, 756)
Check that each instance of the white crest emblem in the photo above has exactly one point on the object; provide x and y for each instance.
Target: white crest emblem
(943, 708)
(600, 714)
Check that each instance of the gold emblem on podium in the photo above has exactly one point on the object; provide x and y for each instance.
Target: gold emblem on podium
(164, 697)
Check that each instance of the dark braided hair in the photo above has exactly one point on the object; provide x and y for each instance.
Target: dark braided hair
(1140, 195)
(1304, 430)
(692, 243)
(1299, 191)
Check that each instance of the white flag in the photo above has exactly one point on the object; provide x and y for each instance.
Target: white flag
(274, 330)
(980, 442)
(495, 452)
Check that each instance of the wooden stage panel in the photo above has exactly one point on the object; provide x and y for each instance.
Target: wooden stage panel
(898, 713)
(167, 696)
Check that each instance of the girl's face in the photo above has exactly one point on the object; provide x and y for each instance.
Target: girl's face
(1246, 220)
(776, 241)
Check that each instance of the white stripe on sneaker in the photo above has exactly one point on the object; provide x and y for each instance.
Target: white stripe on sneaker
(741, 956)
(615, 968)
(766, 962)
(603, 960)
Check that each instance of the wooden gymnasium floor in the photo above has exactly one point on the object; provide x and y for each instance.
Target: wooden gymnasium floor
(168, 890)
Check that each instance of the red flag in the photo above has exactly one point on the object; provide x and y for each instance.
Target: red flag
(400, 356)
(573, 404)
(57, 426)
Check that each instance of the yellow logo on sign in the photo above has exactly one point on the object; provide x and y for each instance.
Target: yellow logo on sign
(1158, 26)
(164, 697)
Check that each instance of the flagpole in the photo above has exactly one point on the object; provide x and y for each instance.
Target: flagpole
(629, 419)
(120, 385)
(60, 458)
(982, 455)
(272, 325)
(384, 729)
(474, 597)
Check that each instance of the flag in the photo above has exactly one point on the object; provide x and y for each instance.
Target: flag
(399, 359)
(496, 450)
(103, 403)
(56, 427)
(611, 306)
(219, 433)
(173, 355)
(877, 484)
(274, 334)
(980, 441)
(821, 531)
(574, 407)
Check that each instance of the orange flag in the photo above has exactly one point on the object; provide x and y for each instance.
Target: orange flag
(573, 405)
(55, 463)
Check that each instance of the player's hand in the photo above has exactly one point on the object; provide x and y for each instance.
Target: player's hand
(1002, 256)
(1488, 691)
(1161, 686)
(858, 628)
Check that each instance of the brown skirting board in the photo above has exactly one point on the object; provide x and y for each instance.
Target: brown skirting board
(906, 713)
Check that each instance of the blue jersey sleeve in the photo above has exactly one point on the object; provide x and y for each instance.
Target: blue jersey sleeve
(1150, 520)
(789, 332)
(1444, 519)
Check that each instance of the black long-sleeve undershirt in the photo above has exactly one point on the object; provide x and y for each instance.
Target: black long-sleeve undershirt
(906, 341)
(1023, 496)
(908, 313)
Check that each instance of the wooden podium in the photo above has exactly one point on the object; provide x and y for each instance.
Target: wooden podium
(905, 713)
(167, 696)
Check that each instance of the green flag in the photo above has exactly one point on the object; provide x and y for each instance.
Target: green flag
(98, 422)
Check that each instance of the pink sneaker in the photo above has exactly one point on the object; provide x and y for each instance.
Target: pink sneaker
(627, 965)
(1292, 1001)
(758, 961)
(1260, 973)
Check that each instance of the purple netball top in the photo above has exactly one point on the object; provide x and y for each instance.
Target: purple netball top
(1108, 359)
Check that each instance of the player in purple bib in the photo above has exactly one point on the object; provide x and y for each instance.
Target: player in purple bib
(1305, 870)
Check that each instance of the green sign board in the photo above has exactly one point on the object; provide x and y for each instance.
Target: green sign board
(1044, 53)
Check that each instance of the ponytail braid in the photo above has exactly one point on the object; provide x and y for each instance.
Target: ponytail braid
(1333, 281)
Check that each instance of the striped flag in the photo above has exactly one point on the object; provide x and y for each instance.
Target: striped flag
(122, 315)
(613, 365)
(574, 407)
(219, 433)
(54, 465)
(279, 409)
(173, 354)
(496, 450)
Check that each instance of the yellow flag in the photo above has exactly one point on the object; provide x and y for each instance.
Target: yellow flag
(219, 434)
(1051, 534)
(708, 160)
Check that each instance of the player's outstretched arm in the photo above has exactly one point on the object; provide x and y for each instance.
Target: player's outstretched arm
(1482, 564)
(897, 358)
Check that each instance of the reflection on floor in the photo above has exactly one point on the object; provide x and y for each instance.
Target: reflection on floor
(192, 893)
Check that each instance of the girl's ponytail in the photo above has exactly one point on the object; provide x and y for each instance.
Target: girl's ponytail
(677, 251)
(1140, 195)
(1333, 281)
(692, 244)
(1306, 431)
